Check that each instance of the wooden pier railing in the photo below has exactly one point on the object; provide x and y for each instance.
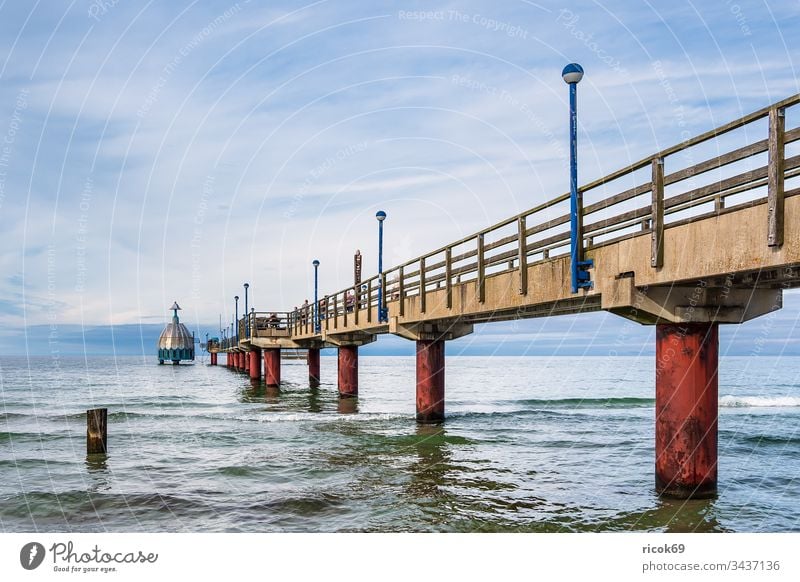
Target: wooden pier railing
(663, 190)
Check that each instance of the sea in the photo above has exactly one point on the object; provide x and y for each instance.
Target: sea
(530, 444)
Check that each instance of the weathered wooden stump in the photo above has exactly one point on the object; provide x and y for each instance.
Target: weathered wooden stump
(96, 431)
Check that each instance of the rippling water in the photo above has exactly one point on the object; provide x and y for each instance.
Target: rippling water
(530, 444)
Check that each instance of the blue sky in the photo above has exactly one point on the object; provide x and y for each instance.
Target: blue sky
(155, 151)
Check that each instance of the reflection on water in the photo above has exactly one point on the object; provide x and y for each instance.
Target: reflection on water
(429, 470)
(347, 406)
(252, 393)
(97, 470)
(314, 402)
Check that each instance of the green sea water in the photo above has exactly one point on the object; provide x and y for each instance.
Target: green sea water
(531, 444)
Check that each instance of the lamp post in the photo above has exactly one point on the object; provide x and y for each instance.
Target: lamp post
(317, 326)
(383, 316)
(247, 319)
(572, 75)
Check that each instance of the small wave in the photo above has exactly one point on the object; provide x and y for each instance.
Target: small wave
(11, 415)
(766, 439)
(758, 401)
(28, 436)
(630, 402)
(267, 416)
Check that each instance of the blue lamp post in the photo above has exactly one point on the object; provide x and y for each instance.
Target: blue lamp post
(383, 315)
(317, 326)
(236, 317)
(572, 75)
(247, 319)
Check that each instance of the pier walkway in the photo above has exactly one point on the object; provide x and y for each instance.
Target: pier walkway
(682, 244)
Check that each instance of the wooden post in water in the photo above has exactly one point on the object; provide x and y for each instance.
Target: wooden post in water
(96, 431)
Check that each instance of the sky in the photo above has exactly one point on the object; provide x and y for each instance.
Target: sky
(162, 151)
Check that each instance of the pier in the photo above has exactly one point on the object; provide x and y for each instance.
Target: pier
(668, 241)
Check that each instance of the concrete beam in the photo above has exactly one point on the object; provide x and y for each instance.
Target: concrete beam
(265, 343)
(689, 304)
(430, 331)
(354, 338)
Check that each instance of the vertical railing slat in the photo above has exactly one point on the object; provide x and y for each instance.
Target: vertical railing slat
(369, 301)
(657, 232)
(422, 285)
(401, 291)
(775, 176)
(448, 275)
(481, 269)
(522, 255)
(356, 302)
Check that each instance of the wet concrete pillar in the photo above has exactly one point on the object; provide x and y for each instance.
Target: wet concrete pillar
(430, 381)
(313, 367)
(272, 366)
(214, 359)
(686, 409)
(348, 371)
(255, 364)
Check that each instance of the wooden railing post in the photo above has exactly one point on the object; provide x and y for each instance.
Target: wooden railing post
(448, 276)
(335, 310)
(481, 270)
(369, 301)
(344, 310)
(401, 290)
(775, 174)
(657, 233)
(522, 255)
(422, 285)
(356, 302)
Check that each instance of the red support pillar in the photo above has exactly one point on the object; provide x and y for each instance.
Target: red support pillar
(255, 364)
(214, 359)
(313, 367)
(246, 362)
(430, 381)
(239, 361)
(272, 366)
(227, 359)
(686, 409)
(348, 371)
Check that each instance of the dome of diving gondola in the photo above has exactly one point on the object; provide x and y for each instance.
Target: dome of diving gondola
(175, 343)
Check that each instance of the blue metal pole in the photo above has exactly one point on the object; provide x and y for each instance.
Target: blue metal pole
(573, 184)
(316, 297)
(572, 74)
(381, 314)
(246, 312)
